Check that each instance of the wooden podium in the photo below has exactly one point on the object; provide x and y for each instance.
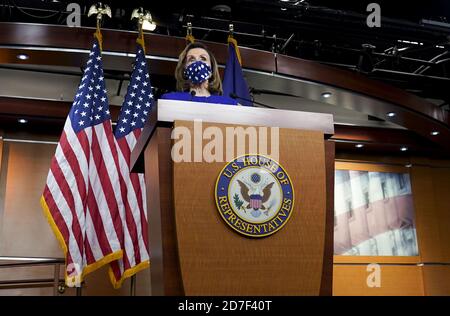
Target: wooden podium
(192, 249)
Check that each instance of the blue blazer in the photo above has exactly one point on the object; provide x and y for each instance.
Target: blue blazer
(186, 96)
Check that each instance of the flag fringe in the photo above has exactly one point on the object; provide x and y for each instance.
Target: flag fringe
(98, 35)
(127, 273)
(89, 268)
(190, 38)
(54, 227)
(232, 41)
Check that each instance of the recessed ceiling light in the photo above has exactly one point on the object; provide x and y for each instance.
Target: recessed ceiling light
(434, 133)
(22, 121)
(391, 114)
(404, 148)
(283, 9)
(23, 56)
(326, 94)
(359, 145)
(284, 0)
(408, 165)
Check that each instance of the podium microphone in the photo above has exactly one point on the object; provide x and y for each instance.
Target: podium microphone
(235, 96)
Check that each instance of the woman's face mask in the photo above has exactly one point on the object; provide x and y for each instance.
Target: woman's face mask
(197, 72)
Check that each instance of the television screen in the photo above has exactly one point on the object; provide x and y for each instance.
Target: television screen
(374, 214)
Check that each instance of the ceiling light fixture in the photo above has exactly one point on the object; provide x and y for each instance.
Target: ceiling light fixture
(23, 56)
(391, 114)
(404, 148)
(359, 145)
(410, 42)
(326, 94)
(222, 8)
(22, 121)
(434, 133)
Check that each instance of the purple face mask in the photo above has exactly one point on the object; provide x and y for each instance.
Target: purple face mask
(197, 72)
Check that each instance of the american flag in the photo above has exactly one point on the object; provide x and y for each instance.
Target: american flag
(82, 198)
(133, 115)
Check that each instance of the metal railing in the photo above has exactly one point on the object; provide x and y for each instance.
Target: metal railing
(56, 282)
(20, 262)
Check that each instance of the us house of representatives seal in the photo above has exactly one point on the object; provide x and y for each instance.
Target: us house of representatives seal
(254, 195)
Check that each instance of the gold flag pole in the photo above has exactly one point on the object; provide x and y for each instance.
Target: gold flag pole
(100, 10)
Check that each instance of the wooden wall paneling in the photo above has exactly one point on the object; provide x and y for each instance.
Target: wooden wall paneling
(327, 269)
(1, 151)
(24, 230)
(45, 109)
(396, 280)
(370, 167)
(28, 273)
(438, 163)
(376, 259)
(427, 222)
(381, 159)
(441, 190)
(3, 167)
(25, 175)
(436, 280)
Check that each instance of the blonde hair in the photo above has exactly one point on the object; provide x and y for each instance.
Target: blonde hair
(214, 84)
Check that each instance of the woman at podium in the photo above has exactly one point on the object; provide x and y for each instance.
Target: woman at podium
(198, 78)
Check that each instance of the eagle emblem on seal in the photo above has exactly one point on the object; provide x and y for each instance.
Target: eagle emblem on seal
(255, 194)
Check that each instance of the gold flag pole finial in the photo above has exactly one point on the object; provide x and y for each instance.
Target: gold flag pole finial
(99, 9)
(230, 30)
(144, 18)
(189, 37)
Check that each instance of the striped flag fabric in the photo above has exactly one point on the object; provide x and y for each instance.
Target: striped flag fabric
(133, 115)
(82, 198)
